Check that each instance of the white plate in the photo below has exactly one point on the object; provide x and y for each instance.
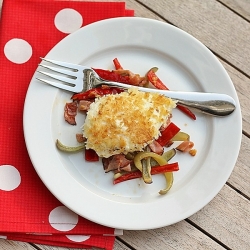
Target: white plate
(184, 64)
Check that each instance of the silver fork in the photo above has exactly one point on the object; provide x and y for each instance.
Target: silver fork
(78, 78)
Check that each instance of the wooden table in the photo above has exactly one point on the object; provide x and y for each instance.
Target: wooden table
(224, 27)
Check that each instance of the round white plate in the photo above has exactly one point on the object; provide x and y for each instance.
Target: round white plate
(184, 64)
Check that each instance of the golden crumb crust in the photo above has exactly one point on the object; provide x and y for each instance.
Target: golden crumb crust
(125, 122)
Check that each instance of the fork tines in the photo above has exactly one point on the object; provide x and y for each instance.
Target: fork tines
(67, 75)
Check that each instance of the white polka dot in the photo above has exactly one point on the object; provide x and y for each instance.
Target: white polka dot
(68, 20)
(18, 50)
(10, 178)
(63, 219)
(78, 238)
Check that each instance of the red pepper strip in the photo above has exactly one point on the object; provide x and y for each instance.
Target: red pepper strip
(96, 92)
(167, 134)
(91, 155)
(186, 111)
(155, 80)
(170, 167)
(112, 76)
(117, 64)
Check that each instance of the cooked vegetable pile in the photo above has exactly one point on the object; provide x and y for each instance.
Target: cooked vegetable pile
(129, 131)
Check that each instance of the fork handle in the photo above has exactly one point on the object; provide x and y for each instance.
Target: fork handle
(208, 103)
(212, 107)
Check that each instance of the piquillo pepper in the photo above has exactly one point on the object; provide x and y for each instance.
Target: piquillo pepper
(112, 76)
(186, 111)
(155, 80)
(91, 155)
(117, 64)
(167, 134)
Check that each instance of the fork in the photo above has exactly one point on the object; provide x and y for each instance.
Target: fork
(77, 78)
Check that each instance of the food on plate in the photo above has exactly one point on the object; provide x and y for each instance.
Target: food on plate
(70, 112)
(193, 151)
(126, 122)
(129, 130)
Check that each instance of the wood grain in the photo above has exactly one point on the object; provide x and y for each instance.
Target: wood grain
(241, 84)
(242, 7)
(209, 21)
(181, 235)
(240, 176)
(227, 219)
(14, 245)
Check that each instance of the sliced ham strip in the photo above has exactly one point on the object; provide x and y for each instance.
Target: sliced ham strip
(84, 105)
(70, 112)
(116, 162)
(185, 146)
(156, 147)
(80, 138)
(126, 168)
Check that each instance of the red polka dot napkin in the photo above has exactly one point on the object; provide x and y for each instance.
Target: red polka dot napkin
(29, 212)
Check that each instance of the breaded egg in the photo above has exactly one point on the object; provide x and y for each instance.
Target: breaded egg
(125, 122)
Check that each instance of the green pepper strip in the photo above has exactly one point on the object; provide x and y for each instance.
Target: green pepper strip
(168, 176)
(146, 168)
(169, 154)
(65, 148)
(181, 136)
(146, 171)
(170, 179)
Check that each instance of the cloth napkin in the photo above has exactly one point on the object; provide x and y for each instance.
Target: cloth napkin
(29, 212)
